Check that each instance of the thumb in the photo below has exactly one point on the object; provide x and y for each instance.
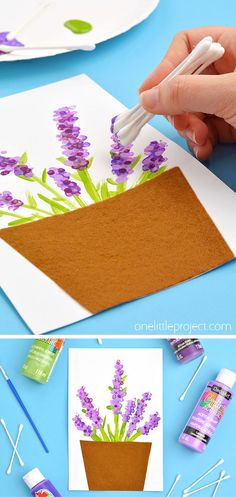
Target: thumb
(201, 93)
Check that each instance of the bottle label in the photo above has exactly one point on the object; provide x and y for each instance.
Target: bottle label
(179, 346)
(42, 359)
(209, 411)
(43, 493)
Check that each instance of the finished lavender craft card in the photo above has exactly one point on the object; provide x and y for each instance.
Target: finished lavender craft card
(68, 189)
(115, 419)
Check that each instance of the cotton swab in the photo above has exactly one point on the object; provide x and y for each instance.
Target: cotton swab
(227, 477)
(39, 8)
(174, 485)
(15, 449)
(222, 474)
(221, 461)
(182, 397)
(12, 443)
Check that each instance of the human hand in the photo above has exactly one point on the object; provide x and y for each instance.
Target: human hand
(202, 107)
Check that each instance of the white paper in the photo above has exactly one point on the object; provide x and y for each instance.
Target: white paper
(108, 19)
(94, 369)
(27, 125)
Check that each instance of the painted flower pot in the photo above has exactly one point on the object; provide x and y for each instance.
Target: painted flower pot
(115, 465)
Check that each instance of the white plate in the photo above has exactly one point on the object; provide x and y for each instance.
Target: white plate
(108, 18)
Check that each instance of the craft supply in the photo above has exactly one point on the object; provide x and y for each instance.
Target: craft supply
(29, 18)
(12, 443)
(15, 449)
(129, 124)
(174, 485)
(38, 484)
(42, 359)
(221, 461)
(204, 359)
(12, 49)
(186, 349)
(209, 411)
(227, 477)
(100, 342)
(222, 474)
(20, 402)
(77, 26)
(183, 241)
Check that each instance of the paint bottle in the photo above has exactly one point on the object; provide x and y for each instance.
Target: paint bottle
(186, 349)
(39, 486)
(42, 359)
(209, 411)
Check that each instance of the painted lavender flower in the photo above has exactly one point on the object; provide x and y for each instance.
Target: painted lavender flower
(118, 392)
(74, 144)
(81, 426)
(151, 424)
(129, 410)
(6, 199)
(10, 43)
(154, 156)
(90, 411)
(12, 164)
(138, 415)
(62, 180)
(131, 414)
(122, 157)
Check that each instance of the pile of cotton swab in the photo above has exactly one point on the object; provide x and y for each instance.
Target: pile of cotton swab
(222, 477)
(14, 446)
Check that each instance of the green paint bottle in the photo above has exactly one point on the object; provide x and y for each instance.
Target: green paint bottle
(42, 359)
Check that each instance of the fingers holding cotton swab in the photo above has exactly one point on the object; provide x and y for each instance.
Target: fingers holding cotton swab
(15, 449)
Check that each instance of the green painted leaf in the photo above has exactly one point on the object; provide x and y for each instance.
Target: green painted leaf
(44, 175)
(104, 191)
(23, 158)
(53, 204)
(109, 408)
(112, 182)
(61, 159)
(21, 221)
(78, 26)
(110, 388)
(84, 410)
(31, 200)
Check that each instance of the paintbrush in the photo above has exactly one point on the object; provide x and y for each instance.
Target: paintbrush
(19, 400)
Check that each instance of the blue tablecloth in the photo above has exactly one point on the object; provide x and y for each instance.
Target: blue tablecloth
(120, 65)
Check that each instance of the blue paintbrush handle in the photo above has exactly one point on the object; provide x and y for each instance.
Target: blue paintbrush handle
(27, 414)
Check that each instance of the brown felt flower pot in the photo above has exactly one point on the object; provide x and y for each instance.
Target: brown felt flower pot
(115, 465)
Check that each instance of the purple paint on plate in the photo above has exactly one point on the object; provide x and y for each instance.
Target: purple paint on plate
(39, 486)
(186, 349)
(208, 412)
(10, 43)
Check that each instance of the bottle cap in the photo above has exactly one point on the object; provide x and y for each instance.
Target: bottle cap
(34, 477)
(227, 377)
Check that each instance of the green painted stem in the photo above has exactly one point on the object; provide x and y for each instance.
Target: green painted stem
(116, 421)
(136, 161)
(121, 187)
(26, 206)
(80, 201)
(104, 435)
(96, 438)
(55, 192)
(85, 177)
(122, 431)
(138, 434)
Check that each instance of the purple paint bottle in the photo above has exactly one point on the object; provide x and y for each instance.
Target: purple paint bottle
(209, 411)
(186, 349)
(39, 486)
